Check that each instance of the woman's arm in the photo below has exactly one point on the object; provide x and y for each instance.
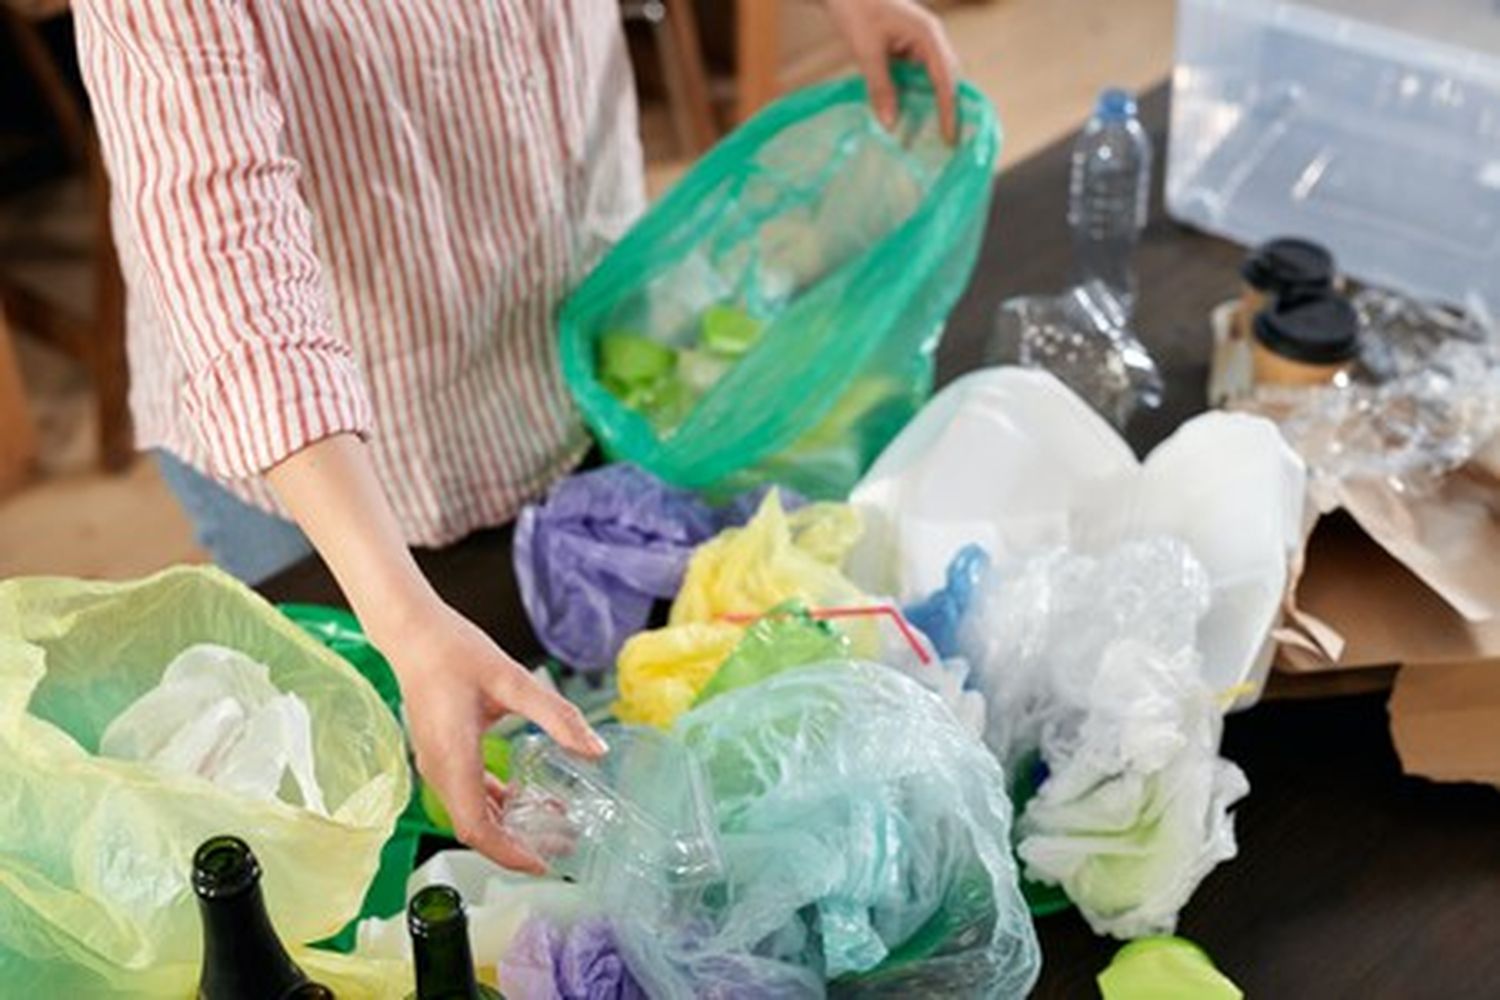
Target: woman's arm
(208, 203)
(454, 680)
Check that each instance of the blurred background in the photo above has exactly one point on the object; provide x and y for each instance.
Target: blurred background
(75, 500)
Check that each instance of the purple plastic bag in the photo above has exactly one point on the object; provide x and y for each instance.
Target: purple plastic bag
(604, 546)
(547, 962)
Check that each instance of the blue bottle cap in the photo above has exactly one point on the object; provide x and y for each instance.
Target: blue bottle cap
(1115, 105)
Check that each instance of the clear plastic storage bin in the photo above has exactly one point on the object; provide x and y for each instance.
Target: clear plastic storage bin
(1372, 126)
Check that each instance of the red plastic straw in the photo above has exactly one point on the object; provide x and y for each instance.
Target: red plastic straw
(865, 611)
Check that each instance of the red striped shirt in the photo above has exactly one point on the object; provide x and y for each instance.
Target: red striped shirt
(359, 216)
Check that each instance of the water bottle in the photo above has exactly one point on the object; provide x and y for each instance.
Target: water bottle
(1108, 191)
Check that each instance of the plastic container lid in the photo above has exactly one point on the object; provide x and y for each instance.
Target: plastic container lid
(1115, 105)
(1287, 265)
(637, 826)
(1323, 330)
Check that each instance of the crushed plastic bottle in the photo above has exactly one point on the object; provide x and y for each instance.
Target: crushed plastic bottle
(1081, 337)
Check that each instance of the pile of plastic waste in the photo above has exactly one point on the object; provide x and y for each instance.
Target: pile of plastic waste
(854, 746)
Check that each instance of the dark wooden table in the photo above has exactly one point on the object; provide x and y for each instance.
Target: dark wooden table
(1352, 880)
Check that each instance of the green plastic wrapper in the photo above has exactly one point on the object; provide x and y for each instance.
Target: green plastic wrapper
(825, 248)
(1165, 968)
(95, 852)
(786, 637)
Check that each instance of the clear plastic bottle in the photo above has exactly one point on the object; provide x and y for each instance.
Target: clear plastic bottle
(1108, 195)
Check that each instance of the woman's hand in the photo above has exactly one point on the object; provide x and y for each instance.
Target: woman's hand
(881, 30)
(454, 680)
(455, 683)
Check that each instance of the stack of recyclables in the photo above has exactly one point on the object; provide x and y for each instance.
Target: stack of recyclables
(1372, 126)
(814, 255)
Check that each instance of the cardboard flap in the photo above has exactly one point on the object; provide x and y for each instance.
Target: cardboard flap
(1383, 612)
(1444, 718)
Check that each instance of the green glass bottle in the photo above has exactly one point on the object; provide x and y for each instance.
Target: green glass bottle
(243, 959)
(440, 950)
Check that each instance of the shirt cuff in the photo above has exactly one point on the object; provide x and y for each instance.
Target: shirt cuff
(258, 404)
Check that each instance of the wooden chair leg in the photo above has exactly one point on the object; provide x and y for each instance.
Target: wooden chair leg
(757, 54)
(687, 77)
(110, 371)
(66, 109)
(18, 449)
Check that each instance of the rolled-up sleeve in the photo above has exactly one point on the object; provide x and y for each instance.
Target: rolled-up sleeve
(204, 191)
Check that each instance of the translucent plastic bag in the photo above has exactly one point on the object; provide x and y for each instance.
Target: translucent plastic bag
(866, 840)
(797, 279)
(1092, 665)
(95, 853)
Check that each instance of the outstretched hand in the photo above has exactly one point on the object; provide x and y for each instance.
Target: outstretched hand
(455, 684)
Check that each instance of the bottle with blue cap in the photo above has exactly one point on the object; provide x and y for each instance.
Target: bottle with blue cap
(1109, 192)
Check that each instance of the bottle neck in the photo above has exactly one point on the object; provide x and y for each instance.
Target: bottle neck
(444, 964)
(243, 959)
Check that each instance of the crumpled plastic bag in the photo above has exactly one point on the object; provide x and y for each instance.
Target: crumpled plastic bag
(785, 638)
(661, 672)
(940, 615)
(1093, 662)
(604, 546)
(95, 852)
(1164, 968)
(739, 575)
(1013, 461)
(552, 960)
(498, 903)
(776, 557)
(216, 714)
(866, 839)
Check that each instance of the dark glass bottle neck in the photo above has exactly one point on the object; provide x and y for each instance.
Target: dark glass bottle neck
(243, 959)
(445, 964)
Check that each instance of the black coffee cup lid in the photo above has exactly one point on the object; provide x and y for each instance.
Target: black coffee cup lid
(1322, 330)
(1288, 265)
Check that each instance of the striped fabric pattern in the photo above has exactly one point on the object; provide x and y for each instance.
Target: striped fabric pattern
(359, 216)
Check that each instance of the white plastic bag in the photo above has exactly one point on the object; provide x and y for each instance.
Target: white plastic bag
(1013, 461)
(216, 714)
(1091, 665)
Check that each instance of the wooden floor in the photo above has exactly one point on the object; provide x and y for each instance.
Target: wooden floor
(1040, 61)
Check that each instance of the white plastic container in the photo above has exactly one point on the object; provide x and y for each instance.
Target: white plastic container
(1372, 126)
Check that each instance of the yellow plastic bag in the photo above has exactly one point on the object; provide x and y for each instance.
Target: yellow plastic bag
(95, 852)
(776, 557)
(739, 574)
(660, 672)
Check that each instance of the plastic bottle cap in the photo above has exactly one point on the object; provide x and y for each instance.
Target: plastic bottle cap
(435, 909)
(1323, 330)
(1288, 265)
(1115, 104)
(224, 866)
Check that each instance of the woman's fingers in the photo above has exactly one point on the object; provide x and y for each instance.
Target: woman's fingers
(523, 694)
(459, 776)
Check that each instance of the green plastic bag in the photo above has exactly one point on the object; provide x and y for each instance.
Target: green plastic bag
(95, 852)
(786, 637)
(844, 244)
(1165, 968)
